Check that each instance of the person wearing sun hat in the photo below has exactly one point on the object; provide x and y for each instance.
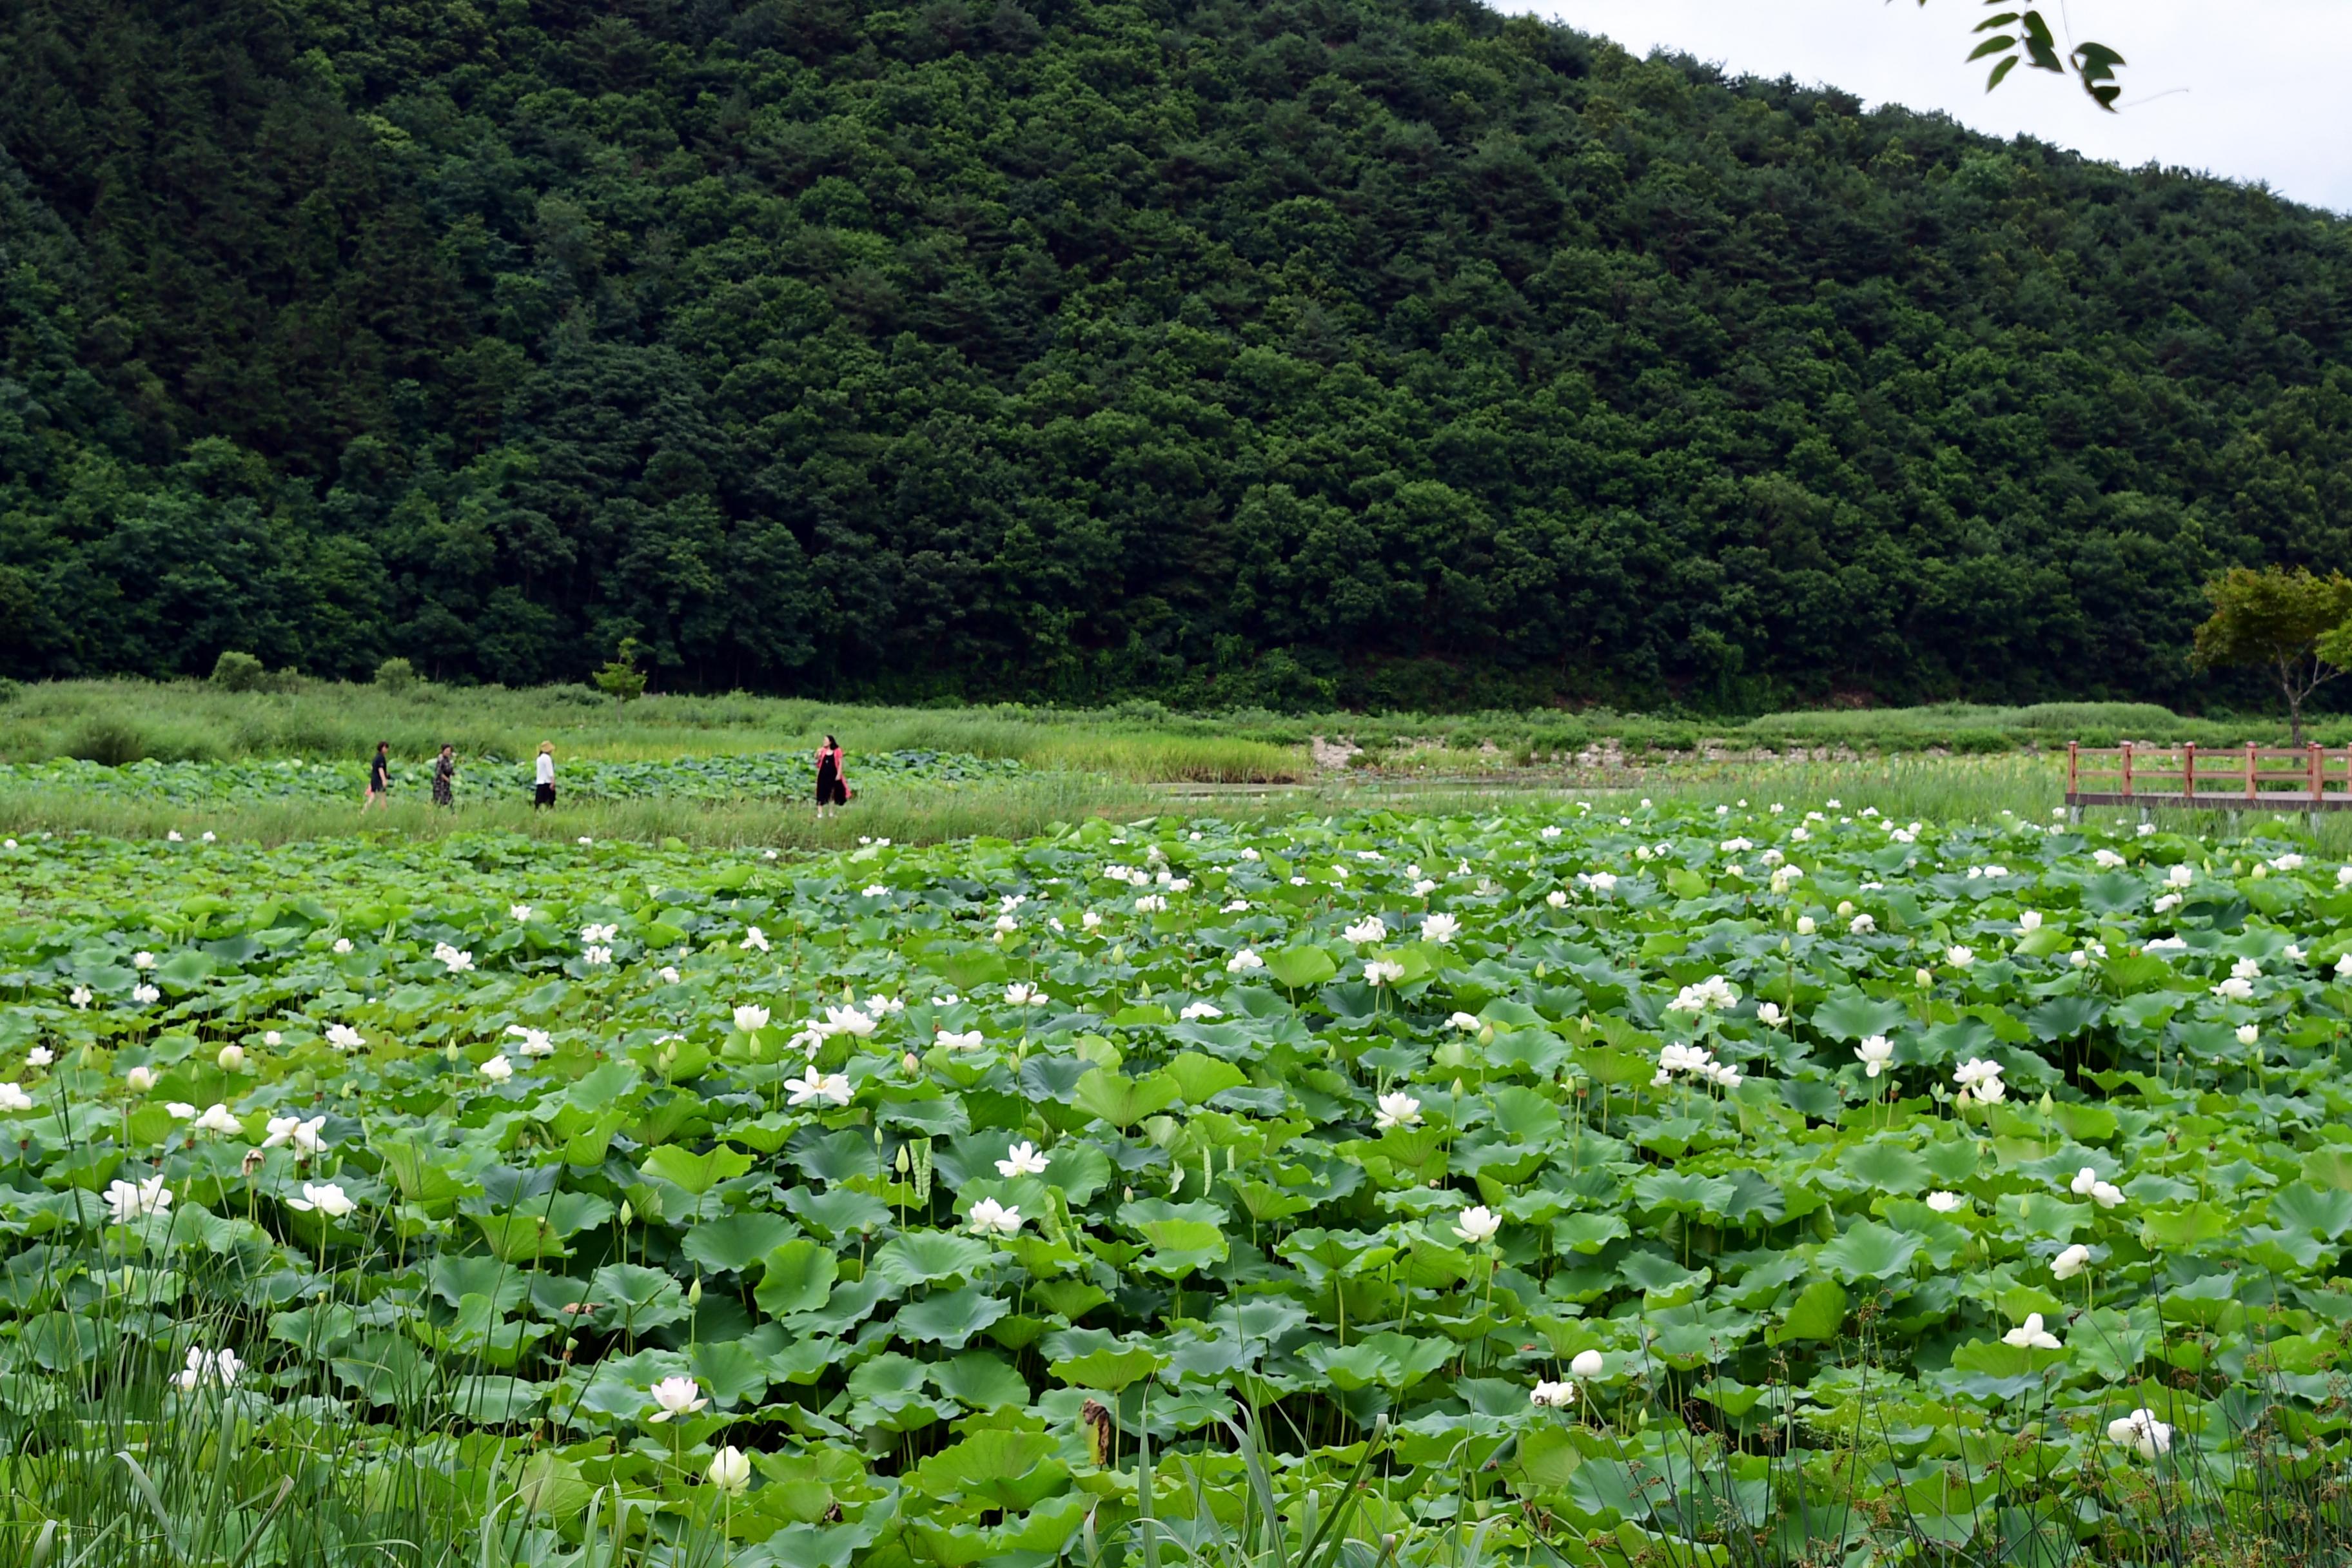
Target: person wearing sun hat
(545, 792)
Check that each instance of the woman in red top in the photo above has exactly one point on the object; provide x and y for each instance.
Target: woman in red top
(830, 789)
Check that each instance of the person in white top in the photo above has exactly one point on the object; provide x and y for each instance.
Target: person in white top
(545, 794)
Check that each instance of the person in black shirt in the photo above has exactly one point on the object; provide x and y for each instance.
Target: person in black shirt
(379, 776)
(830, 788)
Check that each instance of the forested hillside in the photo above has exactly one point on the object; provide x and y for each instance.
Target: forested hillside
(1299, 350)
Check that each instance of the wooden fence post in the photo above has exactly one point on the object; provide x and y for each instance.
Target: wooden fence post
(2188, 771)
(2127, 769)
(2252, 756)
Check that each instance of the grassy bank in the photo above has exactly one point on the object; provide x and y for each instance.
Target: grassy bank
(123, 721)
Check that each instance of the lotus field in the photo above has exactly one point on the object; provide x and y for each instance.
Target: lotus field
(1619, 1184)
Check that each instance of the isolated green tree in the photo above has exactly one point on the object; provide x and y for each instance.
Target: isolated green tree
(620, 678)
(2284, 619)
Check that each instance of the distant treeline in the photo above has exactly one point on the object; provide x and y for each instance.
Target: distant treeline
(1297, 353)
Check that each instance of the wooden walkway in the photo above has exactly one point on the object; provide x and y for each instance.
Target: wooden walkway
(2183, 778)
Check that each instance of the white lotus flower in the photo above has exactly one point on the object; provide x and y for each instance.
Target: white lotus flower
(2235, 990)
(230, 1060)
(1439, 928)
(2031, 1335)
(1237, 907)
(1875, 1053)
(1959, 957)
(1195, 1010)
(2248, 1034)
(218, 1117)
(139, 1080)
(2142, 1432)
(2106, 859)
(14, 1097)
(676, 1396)
(1397, 1109)
(989, 1217)
(597, 954)
(1021, 1160)
(327, 1197)
(1556, 898)
(497, 1069)
(1713, 994)
(1587, 1364)
(145, 995)
(1021, 993)
(1603, 882)
(304, 1135)
(2179, 877)
(949, 1040)
(833, 1088)
(754, 940)
(2029, 922)
(1423, 887)
(1552, 1395)
(1371, 927)
(2246, 969)
(1150, 904)
(519, 913)
(343, 1037)
(179, 1110)
(2106, 1195)
(731, 1469)
(143, 959)
(214, 1369)
(1466, 1022)
(452, 959)
(2288, 862)
(1946, 1203)
(127, 1201)
(81, 997)
(2069, 1263)
(846, 1021)
(1861, 925)
(1478, 1225)
(1383, 972)
(535, 1042)
(1245, 962)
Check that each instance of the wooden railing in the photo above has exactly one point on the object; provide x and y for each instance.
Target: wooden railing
(2250, 778)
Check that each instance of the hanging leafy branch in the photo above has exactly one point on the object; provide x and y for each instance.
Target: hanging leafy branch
(2024, 35)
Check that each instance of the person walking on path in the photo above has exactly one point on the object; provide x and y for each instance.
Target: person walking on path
(545, 792)
(830, 788)
(444, 776)
(379, 776)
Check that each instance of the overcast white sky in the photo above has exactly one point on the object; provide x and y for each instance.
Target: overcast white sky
(2251, 90)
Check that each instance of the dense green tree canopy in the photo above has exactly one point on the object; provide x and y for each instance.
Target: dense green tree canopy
(1367, 349)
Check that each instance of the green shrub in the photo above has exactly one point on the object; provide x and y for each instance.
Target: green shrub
(235, 671)
(396, 675)
(108, 742)
(1980, 743)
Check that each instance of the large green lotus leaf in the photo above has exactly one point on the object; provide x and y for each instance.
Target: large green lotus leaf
(796, 1277)
(1199, 1078)
(697, 1173)
(1300, 968)
(924, 1256)
(1850, 1016)
(639, 1298)
(949, 1318)
(386, 1368)
(1868, 1251)
(2323, 1213)
(839, 1212)
(982, 1381)
(733, 1244)
(1005, 1469)
(1123, 1101)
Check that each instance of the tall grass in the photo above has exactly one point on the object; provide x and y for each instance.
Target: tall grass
(116, 722)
